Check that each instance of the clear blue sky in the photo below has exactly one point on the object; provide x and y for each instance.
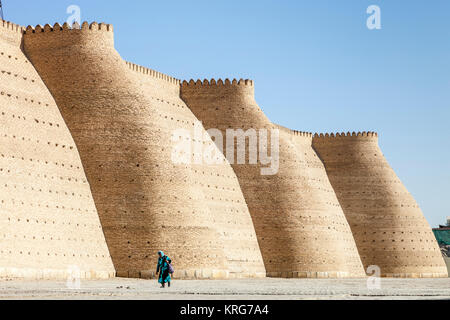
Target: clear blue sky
(316, 65)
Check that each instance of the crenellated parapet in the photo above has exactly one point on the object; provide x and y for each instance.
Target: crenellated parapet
(11, 32)
(304, 138)
(9, 26)
(94, 26)
(295, 134)
(301, 134)
(152, 73)
(228, 89)
(90, 35)
(213, 83)
(349, 147)
(349, 138)
(322, 137)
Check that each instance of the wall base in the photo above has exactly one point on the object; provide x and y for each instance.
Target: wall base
(53, 274)
(191, 275)
(415, 275)
(313, 275)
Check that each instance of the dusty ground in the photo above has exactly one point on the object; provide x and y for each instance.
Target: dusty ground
(284, 289)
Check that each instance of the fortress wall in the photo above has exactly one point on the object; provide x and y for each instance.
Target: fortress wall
(156, 84)
(49, 222)
(146, 202)
(314, 171)
(302, 231)
(218, 182)
(11, 33)
(388, 225)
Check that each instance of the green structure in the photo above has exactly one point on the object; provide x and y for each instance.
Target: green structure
(442, 236)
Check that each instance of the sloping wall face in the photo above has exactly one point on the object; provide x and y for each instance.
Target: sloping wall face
(301, 229)
(49, 226)
(325, 198)
(388, 225)
(218, 182)
(146, 202)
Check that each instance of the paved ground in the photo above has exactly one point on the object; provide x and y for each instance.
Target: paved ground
(284, 289)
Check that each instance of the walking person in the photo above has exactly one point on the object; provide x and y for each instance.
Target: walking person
(164, 268)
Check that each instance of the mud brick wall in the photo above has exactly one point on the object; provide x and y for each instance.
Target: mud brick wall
(49, 224)
(301, 229)
(387, 223)
(218, 182)
(123, 132)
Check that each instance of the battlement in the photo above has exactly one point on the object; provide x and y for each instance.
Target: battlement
(302, 134)
(92, 36)
(152, 73)
(9, 26)
(94, 26)
(295, 133)
(11, 32)
(218, 89)
(214, 84)
(331, 137)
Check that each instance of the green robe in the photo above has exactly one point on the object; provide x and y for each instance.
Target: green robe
(163, 268)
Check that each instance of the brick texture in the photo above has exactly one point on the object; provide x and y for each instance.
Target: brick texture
(300, 225)
(87, 177)
(388, 225)
(49, 222)
(123, 126)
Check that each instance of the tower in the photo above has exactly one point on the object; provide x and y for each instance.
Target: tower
(387, 223)
(144, 199)
(292, 208)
